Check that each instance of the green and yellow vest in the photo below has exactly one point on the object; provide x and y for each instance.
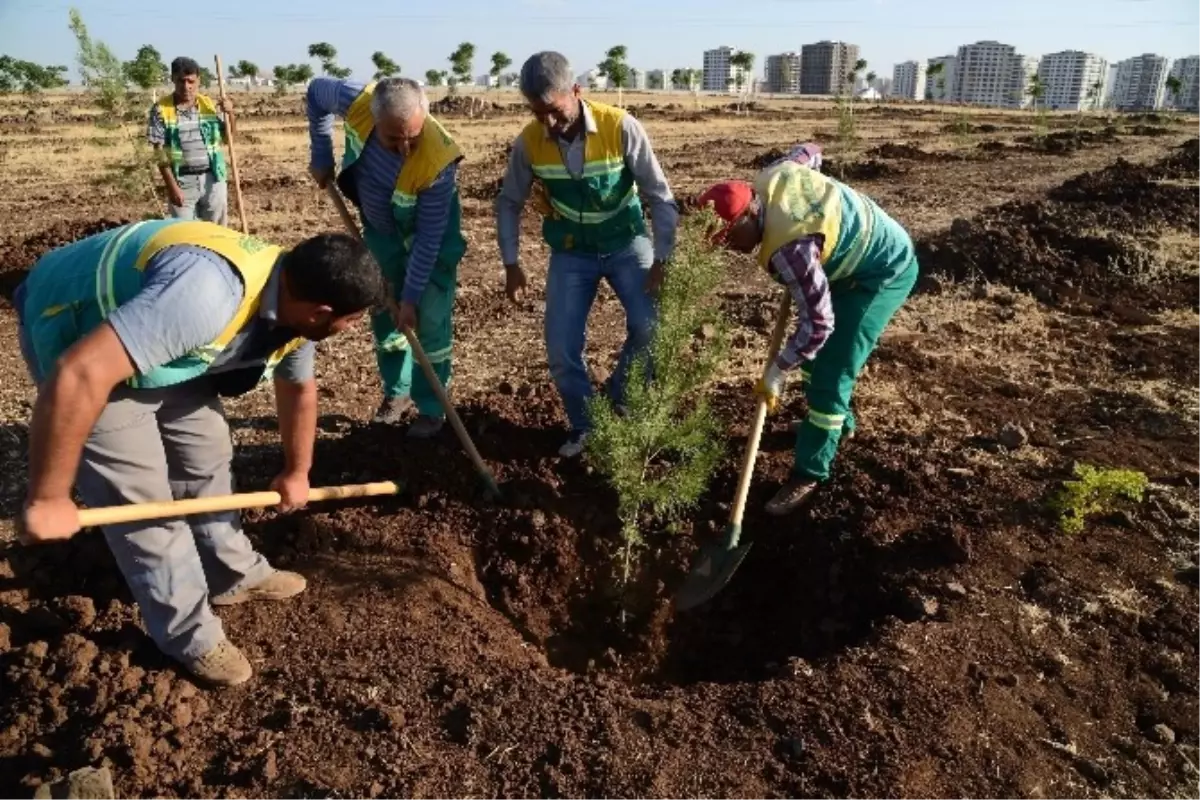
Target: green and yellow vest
(72, 290)
(434, 152)
(599, 212)
(860, 240)
(210, 130)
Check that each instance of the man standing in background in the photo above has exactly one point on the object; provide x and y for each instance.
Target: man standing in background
(187, 131)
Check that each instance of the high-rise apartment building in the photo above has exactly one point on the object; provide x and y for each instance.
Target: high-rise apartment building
(1187, 70)
(1073, 80)
(939, 84)
(783, 73)
(990, 73)
(825, 66)
(1140, 83)
(1022, 70)
(908, 80)
(718, 69)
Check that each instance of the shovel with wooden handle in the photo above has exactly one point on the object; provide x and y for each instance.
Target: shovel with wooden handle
(489, 480)
(715, 564)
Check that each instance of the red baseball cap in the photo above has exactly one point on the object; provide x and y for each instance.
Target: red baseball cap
(729, 199)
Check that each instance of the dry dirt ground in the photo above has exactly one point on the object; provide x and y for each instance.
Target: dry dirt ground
(925, 629)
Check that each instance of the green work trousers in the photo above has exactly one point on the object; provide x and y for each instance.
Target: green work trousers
(435, 328)
(860, 313)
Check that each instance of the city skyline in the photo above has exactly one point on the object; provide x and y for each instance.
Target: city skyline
(1115, 29)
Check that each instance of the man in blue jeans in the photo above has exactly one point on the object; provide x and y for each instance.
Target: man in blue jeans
(588, 162)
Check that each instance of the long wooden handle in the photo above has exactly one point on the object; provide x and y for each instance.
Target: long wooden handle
(233, 167)
(419, 353)
(760, 418)
(343, 211)
(140, 512)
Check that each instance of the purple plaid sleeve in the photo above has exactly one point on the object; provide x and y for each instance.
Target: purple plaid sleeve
(798, 265)
(807, 155)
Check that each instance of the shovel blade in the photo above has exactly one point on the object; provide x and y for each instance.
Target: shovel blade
(710, 574)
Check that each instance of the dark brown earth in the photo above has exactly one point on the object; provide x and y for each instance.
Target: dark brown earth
(924, 630)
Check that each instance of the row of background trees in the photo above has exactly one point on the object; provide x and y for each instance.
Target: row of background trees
(147, 71)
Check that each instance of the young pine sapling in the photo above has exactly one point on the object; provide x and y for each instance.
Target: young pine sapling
(660, 448)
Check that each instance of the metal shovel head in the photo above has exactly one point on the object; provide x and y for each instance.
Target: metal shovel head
(712, 570)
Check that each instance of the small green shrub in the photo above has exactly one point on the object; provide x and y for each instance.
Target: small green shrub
(660, 450)
(1095, 492)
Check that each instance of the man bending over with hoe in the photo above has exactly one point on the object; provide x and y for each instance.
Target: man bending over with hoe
(848, 266)
(588, 162)
(132, 336)
(186, 131)
(400, 169)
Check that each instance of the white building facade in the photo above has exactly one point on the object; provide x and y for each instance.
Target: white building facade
(783, 73)
(1073, 80)
(1187, 70)
(908, 80)
(990, 73)
(939, 86)
(718, 69)
(1140, 83)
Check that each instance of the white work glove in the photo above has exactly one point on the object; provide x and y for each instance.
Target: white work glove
(770, 386)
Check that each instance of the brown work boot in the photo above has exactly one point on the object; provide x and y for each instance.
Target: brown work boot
(392, 411)
(224, 665)
(791, 496)
(280, 585)
(425, 427)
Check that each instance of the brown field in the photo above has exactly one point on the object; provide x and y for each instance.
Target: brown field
(924, 629)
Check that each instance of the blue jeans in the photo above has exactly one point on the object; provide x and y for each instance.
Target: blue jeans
(570, 291)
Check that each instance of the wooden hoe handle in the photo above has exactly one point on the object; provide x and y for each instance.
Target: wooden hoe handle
(233, 167)
(140, 512)
(419, 353)
(760, 417)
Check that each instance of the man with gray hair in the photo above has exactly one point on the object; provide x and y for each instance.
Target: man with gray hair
(399, 169)
(587, 162)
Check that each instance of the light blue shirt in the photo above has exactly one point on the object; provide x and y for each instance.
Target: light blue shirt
(189, 297)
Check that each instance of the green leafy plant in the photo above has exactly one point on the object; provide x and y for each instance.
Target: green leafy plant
(384, 66)
(500, 62)
(327, 55)
(615, 68)
(28, 77)
(659, 450)
(287, 75)
(1095, 491)
(743, 63)
(104, 76)
(147, 70)
(435, 77)
(462, 62)
(961, 129)
(244, 69)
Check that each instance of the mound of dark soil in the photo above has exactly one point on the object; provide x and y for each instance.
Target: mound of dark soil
(1045, 246)
(871, 169)
(766, 159)
(1183, 163)
(1066, 142)
(18, 255)
(901, 151)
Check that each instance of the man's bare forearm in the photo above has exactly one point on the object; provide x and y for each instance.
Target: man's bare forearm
(296, 404)
(67, 408)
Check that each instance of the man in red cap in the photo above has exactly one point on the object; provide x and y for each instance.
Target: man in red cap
(848, 266)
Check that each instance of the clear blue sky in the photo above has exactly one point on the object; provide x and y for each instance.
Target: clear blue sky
(662, 34)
